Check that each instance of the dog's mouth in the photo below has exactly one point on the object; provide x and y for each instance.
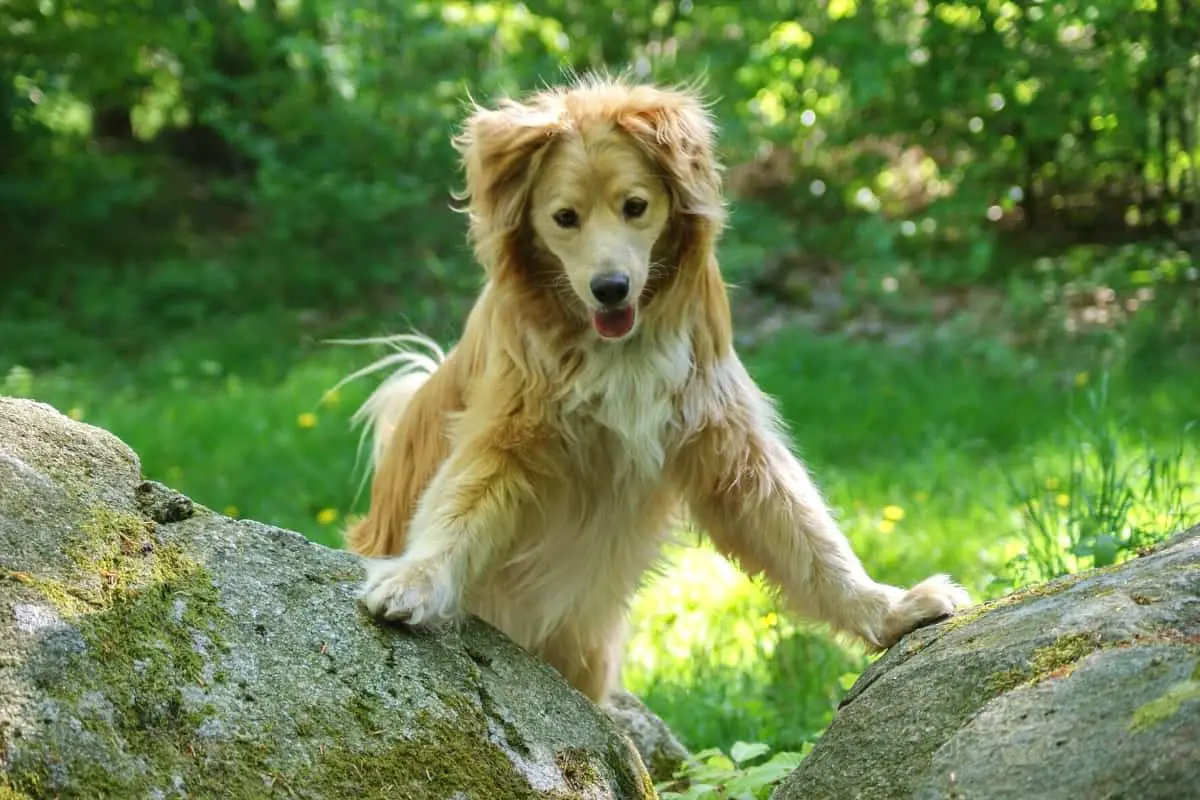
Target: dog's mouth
(614, 323)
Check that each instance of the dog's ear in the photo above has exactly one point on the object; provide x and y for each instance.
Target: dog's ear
(501, 149)
(678, 132)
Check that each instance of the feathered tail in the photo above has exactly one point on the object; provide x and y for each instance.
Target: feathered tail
(415, 358)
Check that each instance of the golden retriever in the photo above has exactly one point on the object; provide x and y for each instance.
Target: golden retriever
(532, 475)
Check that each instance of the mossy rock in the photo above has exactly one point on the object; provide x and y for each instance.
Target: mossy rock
(1088, 686)
(153, 649)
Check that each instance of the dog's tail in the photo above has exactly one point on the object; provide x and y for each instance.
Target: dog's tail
(414, 358)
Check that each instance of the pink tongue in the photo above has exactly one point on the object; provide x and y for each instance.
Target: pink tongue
(613, 324)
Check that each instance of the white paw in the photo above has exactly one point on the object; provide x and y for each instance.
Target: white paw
(929, 601)
(401, 590)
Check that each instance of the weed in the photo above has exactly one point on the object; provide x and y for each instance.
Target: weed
(1113, 496)
(716, 775)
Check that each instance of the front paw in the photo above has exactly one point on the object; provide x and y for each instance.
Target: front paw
(931, 600)
(401, 590)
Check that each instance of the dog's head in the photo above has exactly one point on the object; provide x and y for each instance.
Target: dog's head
(602, 193)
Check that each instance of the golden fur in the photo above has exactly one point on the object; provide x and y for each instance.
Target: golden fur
(532, 474)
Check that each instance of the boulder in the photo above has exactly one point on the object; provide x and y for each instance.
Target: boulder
(1084, 687)
(660, 750)
(150, 648)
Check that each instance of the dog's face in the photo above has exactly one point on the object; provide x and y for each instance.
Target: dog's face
(599, 206)
(615, 186)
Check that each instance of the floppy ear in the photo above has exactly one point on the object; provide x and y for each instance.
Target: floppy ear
(679, 134)
(501, 149)
(676, 130)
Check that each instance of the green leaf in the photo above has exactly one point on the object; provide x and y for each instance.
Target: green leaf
(1104, 551)
(742, 752)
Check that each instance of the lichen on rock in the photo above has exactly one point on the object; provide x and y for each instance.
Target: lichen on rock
(155, 649)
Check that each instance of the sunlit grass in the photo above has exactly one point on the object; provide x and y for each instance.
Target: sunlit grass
(917, 453)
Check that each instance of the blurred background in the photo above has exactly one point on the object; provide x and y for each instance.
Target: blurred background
(963, 253)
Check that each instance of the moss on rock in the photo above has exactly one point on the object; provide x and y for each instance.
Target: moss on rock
(445, 754)
(1167, 705)
(1024, 595)
(1055, 660)
(576, 768)
(148, 616)
(7, 792)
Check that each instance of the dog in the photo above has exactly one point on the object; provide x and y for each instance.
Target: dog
(532, 474)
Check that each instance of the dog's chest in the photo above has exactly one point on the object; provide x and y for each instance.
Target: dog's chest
(625, 401)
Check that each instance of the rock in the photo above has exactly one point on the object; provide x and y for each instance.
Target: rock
(1085, 687)
(660, 750)
(154, 649)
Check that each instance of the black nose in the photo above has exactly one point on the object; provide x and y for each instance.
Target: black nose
(611, 288)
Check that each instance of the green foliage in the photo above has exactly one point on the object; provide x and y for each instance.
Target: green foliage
(715, 775)
(897, 131)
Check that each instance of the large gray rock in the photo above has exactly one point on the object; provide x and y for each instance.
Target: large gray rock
(151, 649)
(1086, 687)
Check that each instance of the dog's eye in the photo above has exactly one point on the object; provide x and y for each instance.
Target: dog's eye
(566, 218)
(634, 207)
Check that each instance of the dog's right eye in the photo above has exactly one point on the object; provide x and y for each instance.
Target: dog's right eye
(566, 218)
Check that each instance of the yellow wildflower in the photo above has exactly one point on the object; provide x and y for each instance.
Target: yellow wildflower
(1063, 500)
(1081, 379)
(231, 511)
(327, 516)
(885, 526)
(893, 513)
(307, 420)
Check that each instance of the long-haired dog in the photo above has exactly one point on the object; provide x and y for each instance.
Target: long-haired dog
(532, 475)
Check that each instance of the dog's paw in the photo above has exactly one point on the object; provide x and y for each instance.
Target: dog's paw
(417, 593)
(931, 600)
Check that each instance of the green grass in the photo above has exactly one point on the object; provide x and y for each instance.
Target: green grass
(918, 452)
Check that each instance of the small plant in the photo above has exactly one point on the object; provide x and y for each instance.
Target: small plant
(714, 775)
(1108, 504)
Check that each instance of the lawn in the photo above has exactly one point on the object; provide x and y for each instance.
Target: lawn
(925, 451)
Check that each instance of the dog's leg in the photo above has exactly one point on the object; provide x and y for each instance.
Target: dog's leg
(468, 512)
(589, 660)
(758, 504)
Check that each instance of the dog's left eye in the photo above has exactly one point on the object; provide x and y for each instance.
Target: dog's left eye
(634, 207)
